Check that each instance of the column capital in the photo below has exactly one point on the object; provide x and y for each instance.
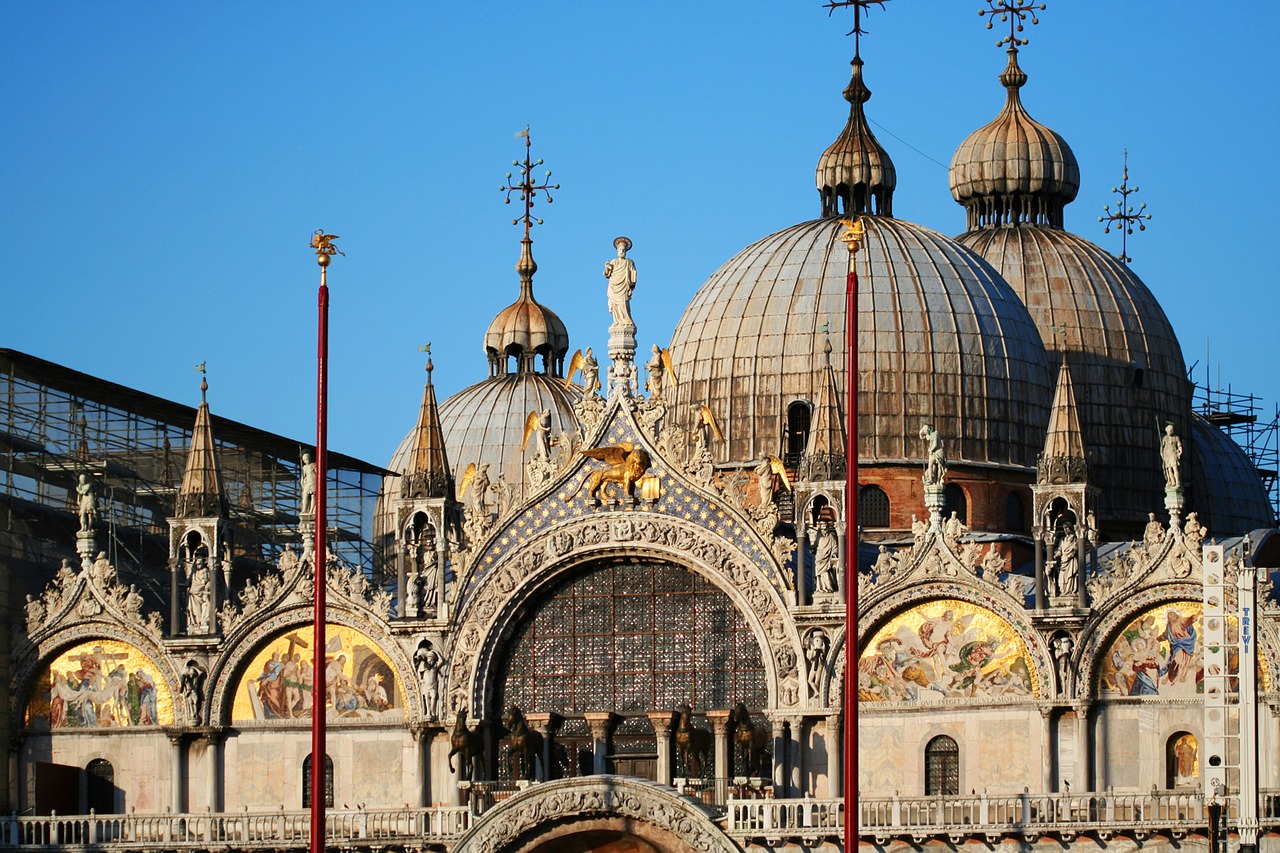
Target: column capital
(601, 722)
(662, 722)
(720, 721)
(545, 723)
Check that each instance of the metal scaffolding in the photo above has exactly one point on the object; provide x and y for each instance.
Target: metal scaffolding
(1241, 417)
(57, 423)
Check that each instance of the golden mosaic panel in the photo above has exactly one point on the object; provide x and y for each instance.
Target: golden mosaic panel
(945, 649)
(278, 683)
(100, 684)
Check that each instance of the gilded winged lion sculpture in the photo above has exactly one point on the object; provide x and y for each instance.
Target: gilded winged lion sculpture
(626, 463)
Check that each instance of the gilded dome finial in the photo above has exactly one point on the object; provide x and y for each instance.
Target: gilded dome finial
(1125, 216)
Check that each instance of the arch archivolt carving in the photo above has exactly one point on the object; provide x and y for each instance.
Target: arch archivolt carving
(24, 678)
(226, 670)
(546, 807)
(486, 613)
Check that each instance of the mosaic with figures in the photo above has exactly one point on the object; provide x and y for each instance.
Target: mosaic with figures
(945, 649)
(1160, 653)
(101, 684)
(279, 682)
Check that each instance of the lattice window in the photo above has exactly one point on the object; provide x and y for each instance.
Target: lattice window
(873, 507)
(941, 767)
(328, 782)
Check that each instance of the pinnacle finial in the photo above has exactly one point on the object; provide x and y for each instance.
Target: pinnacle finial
(1125, 215)
(859, 8)
(526, 187)
(204, 382)
(323, 244)
(1013, 13)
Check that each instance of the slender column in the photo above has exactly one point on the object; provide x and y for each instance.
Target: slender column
(1083, 752)
(601, 724)
(835, 785)
(547, 725)
(422, 738)
(795, 753)
(662, 721)
(175, 770)
(841, 548)
(213, 775)
(175, 599)
(1039, 537)
(402, 603)
(212, 628)
(1048, 750)
(802, 557)
(720, 725)
(779, 757)
(442, 609)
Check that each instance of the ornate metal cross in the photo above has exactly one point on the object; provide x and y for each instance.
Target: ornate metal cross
(1125, 216)
(1012, 12)
(859, 6)
(527, 188)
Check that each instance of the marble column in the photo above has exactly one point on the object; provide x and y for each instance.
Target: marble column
(547, 725)
(779, 757)
(402, 587)
(662, 722)
(1084, 754)
(175, 598)
(601, 723)
(795, 754)
(721, 727)
(802, 556)
(422, 739)
(175, 770)
(1048, 750)
(1082, 568)
(442, 609)
(213, 775)
(1040, 586)
(835, 756)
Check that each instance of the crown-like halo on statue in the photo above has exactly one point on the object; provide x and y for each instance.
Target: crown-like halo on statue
(626, 241)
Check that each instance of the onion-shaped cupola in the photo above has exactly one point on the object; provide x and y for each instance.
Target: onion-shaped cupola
(1014, 170)
(526, 329)
(855, 175)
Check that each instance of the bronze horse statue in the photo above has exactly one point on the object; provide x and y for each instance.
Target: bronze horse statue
(523, 743)
(467, 743)
(751, 740)
(693, 745)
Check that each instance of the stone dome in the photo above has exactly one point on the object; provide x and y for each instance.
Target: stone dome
(1225, 488)
(942, 339)
(1014, 169)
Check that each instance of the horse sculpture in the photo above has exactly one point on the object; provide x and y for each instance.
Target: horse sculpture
(751, 740)
(693, 745)
(523, 743)
(467, 743)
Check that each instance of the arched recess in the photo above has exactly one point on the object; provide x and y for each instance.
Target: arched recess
(84, 665)
(512, 585)
(249, 657)
(1153, 648)
(534, 820)
(973, 648)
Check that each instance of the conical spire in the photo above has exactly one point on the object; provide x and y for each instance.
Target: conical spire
(1063, 460)
(824, 456)
(1014, 170)
(428, 473)
(855, 175)
(202, 495)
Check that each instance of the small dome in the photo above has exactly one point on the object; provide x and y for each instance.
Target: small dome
(484, 423)
(942, 339)
(1225, 487)
(855, 170)
(1014, 170)
(526, 328)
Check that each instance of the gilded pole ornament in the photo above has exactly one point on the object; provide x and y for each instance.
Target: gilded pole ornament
(854, 232)
(323, 244)
(1013, 13)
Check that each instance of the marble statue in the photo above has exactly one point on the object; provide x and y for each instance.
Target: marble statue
(1153, 533)
(430, 667)
(935, 466)
(816, 648)
(192, 688)
(307, 474)
(35, 613)
(826, 559)
(1171, 458)
(198, 596)
(621, 272)
(1066, 574)
(86, 502)
(590, 374)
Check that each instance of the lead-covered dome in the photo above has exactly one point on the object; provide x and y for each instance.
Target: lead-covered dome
(1225, 487)
(942, 339)
(1014, 169)
(1084, 302)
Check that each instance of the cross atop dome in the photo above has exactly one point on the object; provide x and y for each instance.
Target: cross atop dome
(1012, 12)
(859, 8)
(527, 188)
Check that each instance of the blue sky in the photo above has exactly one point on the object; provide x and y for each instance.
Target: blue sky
(162, 166)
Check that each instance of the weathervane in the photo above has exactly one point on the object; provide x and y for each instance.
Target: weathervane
(1125, 216)
(1013, 12)
(527, 188)
(859, 6)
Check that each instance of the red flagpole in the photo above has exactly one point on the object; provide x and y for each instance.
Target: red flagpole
(319, 559)
(851, 239)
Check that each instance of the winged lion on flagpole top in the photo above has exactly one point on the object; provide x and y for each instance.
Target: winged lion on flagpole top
(627, 463)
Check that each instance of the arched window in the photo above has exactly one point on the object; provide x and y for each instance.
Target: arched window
(873, 507)
(1015, 513)
(1182, 761)
(941, 767)
(817, 508)
(328, 782)
(797, 432)
(100, 788)
(953, 500)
